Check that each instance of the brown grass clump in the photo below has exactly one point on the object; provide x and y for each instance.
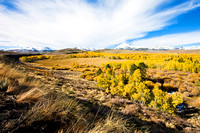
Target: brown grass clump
(51, 106)
(195, 92)
(30, 96)
(18, 81)
(195, 102)
(11, 72)
(112, 123)
(88, 75)
(182, 89)
(73, 116)
(132, 109)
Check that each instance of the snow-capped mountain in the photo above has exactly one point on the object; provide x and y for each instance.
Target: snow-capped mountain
(123, 46)
(161, 48)
(86, 48)
(191, 47)
(45, 49)
(30, 49)
(132, 47)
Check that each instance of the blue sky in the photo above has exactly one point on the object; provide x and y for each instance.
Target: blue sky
(99, 23)
(187, 22)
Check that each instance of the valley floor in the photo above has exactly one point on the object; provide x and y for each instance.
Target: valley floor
(40, 100)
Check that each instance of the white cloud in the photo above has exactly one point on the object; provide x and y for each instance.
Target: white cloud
(170, 40)
(73, 23)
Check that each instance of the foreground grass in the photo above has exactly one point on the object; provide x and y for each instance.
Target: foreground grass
(51, 110)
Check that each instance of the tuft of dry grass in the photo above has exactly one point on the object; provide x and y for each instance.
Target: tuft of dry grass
(30, 96)
(52, 105)
(196, 102)
(18, 81)
(58, 107)
(113, 123)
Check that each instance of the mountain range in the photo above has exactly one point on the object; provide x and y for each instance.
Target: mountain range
(28, 49)
(124, 46)
(132, 47)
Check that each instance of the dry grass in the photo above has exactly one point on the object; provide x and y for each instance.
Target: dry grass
(194, 101)
(20, 86)
(113, 123)
(19, 82)
(185, 82)
(59, 105)
(30, 96)
(10, 72)
(52, 105)
(68, 62)
(74, 117)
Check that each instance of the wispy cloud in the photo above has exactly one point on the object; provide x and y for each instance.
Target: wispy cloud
(72, 23)
(170, 40)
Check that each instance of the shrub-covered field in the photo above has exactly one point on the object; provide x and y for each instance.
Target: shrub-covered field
(167, 83)
(129, 80)
(180, 62)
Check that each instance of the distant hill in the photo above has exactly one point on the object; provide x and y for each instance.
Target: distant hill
(67, 51)
(8, 53)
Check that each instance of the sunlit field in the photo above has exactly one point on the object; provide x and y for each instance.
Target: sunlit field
(103, 88)
(68, 62)
(170, 72)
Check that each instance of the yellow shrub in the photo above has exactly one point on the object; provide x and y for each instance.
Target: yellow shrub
(89, 77)
(33, 58)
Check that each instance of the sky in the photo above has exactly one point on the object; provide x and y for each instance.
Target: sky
(99, 23)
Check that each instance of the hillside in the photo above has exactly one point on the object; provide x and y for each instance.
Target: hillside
(7, 53)
(51, 95)
(66, 51)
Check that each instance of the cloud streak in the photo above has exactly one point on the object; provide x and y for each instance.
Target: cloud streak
(179, 39)
(73, 23)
